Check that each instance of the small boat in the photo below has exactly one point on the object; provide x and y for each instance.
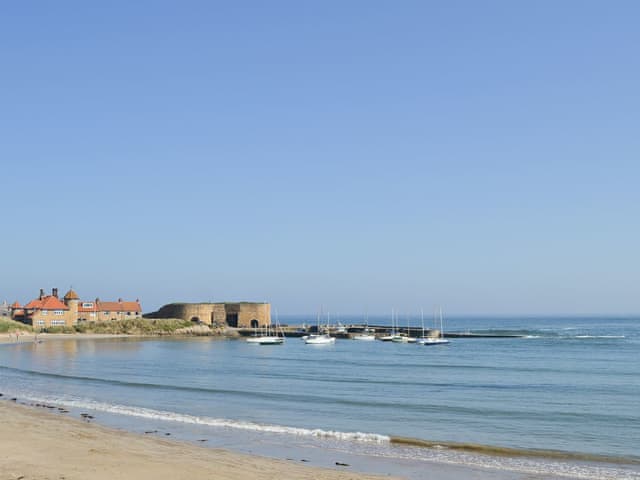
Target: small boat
(403, 338)
(272, 340)
(392, 334)
(341, 329)
(268, 336)
(435, 341)
(366, 335)
(400, 337)
(423, 339)
(266, 339)
(439, 340)
(319, 339)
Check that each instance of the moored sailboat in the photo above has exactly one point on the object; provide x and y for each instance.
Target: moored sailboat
(269, 336)
(319, 338)
(439, 340)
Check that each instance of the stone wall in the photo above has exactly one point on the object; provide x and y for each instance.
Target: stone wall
(242, 315)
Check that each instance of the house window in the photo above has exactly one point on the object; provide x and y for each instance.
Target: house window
(92, 314)
(41, 322)
(87, 305)
(58, 312)
(44, 312)
(57, 322)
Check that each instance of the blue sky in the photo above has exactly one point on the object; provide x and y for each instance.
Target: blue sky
(358, 155)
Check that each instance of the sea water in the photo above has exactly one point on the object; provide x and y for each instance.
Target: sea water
(561, 399)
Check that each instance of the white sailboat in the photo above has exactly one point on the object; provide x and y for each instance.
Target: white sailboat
(269, 336)
(367, 335)
(389, 338)
(400, 337)
(439, 340)
(257, 335)
(339, 329)
(272, 340)
(423, 339)
(319, 338)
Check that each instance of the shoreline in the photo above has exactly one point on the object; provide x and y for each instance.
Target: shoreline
(31, 442)
(241, 445)
(30, 337)
(31, 437)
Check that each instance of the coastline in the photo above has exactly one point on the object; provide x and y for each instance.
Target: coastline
(494, 462)
(27, 337)
(41, 445)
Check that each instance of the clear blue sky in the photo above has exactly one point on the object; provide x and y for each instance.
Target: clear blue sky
(479, 155)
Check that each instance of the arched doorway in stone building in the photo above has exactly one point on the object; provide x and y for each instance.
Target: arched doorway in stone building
(255, 323)
(195, 319)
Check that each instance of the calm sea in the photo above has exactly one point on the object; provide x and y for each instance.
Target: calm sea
(566, 394)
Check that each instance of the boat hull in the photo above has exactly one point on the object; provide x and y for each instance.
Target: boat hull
(272, 341)
(364, 338)
(435, 341)
(319, 340)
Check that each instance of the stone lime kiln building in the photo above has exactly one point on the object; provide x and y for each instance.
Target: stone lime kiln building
(237, 315)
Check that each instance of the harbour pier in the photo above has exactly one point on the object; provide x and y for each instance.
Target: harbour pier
(347, 332)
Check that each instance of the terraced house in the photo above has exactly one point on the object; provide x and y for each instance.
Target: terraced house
(50, 311)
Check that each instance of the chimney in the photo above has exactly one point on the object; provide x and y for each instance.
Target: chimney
(119, 300)
(54, 292)
(41, 293)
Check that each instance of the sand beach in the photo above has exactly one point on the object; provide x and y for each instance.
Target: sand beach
(144, 438)
(37, 445)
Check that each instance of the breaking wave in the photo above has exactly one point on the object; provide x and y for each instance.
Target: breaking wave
(151, 414)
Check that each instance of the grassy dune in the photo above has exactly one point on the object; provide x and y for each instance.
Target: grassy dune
(136, 326)
(7, 325)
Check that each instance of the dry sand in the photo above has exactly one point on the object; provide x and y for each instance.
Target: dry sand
(36, 445)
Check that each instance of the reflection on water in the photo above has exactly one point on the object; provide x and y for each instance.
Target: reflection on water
(545, 393)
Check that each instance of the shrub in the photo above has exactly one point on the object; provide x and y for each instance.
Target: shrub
(8, 325)
(134, 326)
(60, 329)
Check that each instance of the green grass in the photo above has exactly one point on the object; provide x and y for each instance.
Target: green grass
(8, 325)
(61, 329)
(134, 326)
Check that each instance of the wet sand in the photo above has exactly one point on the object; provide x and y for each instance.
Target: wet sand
(37, 445)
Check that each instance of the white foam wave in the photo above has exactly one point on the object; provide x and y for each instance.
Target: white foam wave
(538, 467)
(599, 336)
(364, 443)
(216, 422)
